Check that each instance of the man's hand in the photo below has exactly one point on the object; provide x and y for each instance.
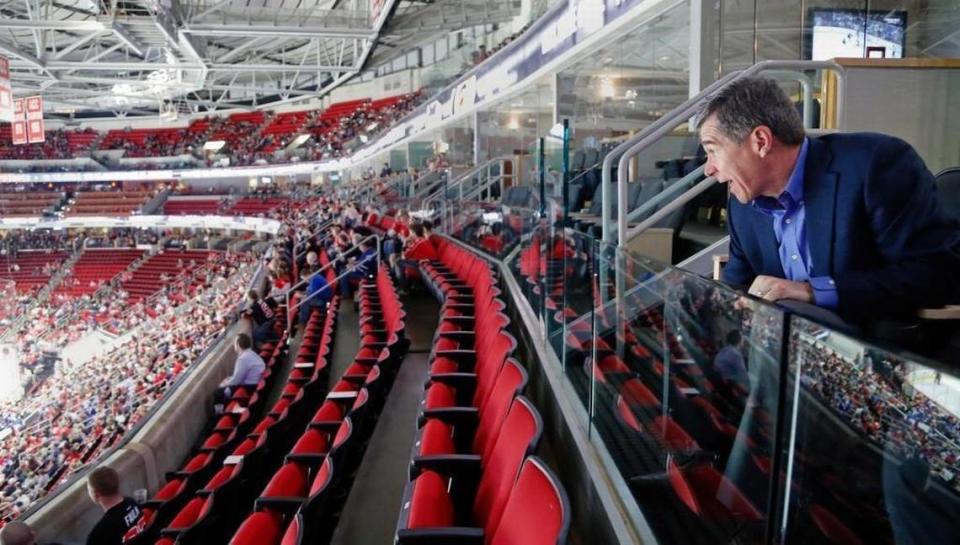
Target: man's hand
(772, 288)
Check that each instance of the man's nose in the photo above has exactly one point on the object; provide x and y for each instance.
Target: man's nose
(710, 169)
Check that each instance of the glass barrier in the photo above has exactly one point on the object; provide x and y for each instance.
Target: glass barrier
(686, 387)
(875, 450)
(684, 397)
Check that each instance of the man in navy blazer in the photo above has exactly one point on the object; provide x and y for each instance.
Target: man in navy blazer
(849, 222)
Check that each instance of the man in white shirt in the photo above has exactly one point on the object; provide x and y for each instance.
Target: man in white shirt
(247, 371)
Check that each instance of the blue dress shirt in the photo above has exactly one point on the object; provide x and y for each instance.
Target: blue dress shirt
(789, 218)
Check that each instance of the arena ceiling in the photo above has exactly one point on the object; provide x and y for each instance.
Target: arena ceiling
(120, 57)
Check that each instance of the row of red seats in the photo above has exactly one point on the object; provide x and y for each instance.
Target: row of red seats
(97, 265)
(231, 453)
(473, 475)
(27, 269)
(255, 206)
(148, 278)
(183, 206)
(294, 507)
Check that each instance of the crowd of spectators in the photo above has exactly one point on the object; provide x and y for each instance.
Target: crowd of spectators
(872, 396)
(84, 408)
(334, 139)
(55, 146)
(247, 145)
(481, 54)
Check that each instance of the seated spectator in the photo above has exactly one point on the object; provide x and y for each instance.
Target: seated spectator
(728, 363)
(262, 311)
(120, 513)
(247, 371)
(365, 266)
(318, 294)
(418, 248)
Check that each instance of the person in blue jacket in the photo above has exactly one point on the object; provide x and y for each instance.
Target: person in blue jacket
(849, 222)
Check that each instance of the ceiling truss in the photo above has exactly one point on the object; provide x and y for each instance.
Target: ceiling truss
(135, 56)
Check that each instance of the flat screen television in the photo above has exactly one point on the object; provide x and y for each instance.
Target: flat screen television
(856, 33)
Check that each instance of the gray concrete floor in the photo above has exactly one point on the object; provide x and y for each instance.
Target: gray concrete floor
(346, 343)
(369, 515)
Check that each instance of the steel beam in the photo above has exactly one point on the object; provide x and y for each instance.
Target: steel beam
(267, 30)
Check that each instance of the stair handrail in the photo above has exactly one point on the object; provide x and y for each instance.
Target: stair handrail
(468, 175)
(662, 126)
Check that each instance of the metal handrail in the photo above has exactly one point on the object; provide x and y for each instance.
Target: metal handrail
(670, 208)
(417, 193)
(607, 167)
(665, 194)
(665, 124)
(315, 232)
(468, 175)
(306, 280)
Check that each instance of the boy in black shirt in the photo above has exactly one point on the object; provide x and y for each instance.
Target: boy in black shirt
(121, 513)
(263, 312)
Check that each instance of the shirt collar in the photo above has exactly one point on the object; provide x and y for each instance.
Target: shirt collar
(793, 194)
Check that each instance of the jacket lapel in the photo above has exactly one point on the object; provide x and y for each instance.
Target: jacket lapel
(820, 202)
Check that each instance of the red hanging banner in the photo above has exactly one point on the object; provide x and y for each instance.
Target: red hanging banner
(6, 93)
(35, 128)
(19, 128)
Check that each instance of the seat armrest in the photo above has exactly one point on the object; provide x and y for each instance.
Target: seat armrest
(325, 425)
(308, 459)
(460, 356)
(456, 380)
(949, 312)
(456, 416)
(454, 535)
(448, 465)
(286, 504)
(457, 335)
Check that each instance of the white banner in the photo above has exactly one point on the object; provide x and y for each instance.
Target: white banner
(255, 225)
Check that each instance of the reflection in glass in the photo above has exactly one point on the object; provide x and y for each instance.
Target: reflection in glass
(877, 447)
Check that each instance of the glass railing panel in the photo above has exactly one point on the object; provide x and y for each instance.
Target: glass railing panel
(685, 398)
(874, 455)
(491, 227)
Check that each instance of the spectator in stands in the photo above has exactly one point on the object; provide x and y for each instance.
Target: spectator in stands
(247, 371)
(262, 311)
(120, 513)
(17, 533)
(729, 364)
(317, 296)
(364, 266)
(417, 248)
(849, 222)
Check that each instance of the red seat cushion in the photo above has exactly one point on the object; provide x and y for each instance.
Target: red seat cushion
(260, 528)
(436, 438)
(430, 504)
(440, 395)
(312, 442)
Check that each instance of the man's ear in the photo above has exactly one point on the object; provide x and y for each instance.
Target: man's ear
(761, 140)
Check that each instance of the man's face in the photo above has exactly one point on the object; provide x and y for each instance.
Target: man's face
(737, 163)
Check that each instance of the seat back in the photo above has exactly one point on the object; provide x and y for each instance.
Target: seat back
(536, 496)
(948, 186)
(260, 528)
(518, 437)
(510, 381)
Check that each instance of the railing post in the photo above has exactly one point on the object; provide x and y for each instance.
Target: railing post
(542, 176)
(566, 172)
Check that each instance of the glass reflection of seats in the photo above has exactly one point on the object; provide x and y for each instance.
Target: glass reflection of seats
(878, 444)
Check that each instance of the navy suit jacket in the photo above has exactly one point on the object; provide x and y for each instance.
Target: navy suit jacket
(874, 224)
